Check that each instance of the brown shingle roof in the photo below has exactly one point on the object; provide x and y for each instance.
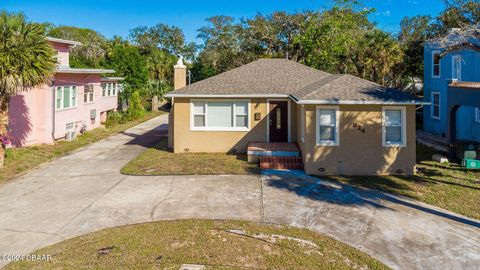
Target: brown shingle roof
(264, 76)
(304, 84)
(345, 87)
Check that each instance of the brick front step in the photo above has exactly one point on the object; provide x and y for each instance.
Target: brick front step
(281, 163)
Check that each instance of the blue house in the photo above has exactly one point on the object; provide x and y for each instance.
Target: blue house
(452, 87)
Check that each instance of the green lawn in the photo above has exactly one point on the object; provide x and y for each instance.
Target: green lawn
(215, 244)
(448, 186)
(160, 161)
(20, 160)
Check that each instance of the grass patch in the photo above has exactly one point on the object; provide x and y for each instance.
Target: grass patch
(215, 244)
(20, 160)
(161, 161)
(448, 186)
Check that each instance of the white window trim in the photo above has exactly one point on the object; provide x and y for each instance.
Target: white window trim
(460, 67)
(433, 106)
(477, 115)
(90, 85)
(302, 123)
(439, 65)
(404, 127)
(114, 89)
(336, 142)
(206, 128)
(63, 96)
(289, 120)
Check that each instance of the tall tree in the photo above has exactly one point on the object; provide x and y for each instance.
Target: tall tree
(413, 34)
(93, 49)
(26, 60)
(128, 62)
(164, 37)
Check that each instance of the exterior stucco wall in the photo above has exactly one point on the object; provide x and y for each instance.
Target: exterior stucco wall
(63, 54)
(217, 141)
(33, 116)
(80, 114)
(358, 153)
(30, 114)
(298, 131)
(467, 128)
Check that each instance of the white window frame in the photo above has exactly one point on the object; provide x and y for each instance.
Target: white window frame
(92, 87)
(104, 89)
(72, 104)
(454, 58)
(336, 142)
(110, 89)
(302, 123)
(439, 65)
(477, 115)
(403, 110)
(207, 128)
(433, 105)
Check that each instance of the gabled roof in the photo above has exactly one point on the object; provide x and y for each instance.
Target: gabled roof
(285, 78)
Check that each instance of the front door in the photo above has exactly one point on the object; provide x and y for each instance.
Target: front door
(278, 122)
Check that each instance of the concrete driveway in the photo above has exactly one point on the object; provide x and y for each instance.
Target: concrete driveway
(84, 192)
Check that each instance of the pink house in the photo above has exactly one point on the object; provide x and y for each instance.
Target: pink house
(76, 99)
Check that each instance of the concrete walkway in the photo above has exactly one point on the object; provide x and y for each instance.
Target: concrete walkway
(84, 192)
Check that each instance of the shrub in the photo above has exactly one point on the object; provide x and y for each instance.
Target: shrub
(115, 118)
(135, 107)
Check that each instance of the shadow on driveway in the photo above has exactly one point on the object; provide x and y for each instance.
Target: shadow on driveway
(343, 194)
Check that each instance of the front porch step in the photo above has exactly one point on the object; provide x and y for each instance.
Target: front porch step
(281, 163)
(256, 150)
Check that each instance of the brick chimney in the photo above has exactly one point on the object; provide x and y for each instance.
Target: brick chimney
(179, 74)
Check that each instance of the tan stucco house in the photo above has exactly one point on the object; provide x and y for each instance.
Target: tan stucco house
(340, 124)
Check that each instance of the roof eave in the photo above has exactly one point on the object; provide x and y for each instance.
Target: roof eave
(170, 95)
(359, 102)
(84, 71)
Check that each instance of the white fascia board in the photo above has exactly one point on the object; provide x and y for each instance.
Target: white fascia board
(229, 96)
(84, 70)
(357, 102)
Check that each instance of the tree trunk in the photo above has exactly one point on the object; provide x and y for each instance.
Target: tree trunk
(3, 127)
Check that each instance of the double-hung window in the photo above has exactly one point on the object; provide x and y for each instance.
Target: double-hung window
(220, 115)
(88, 93)
(394, 126)
(66, 97)
(109, 89)
(436, 64)
(327, 126)
(457, 67)
(435, 110)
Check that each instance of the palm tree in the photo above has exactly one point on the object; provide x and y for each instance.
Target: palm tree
(26, 60)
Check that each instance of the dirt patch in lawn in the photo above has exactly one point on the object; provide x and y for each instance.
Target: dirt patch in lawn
(211, 244)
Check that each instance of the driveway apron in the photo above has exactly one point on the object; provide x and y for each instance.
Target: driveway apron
(84, 192)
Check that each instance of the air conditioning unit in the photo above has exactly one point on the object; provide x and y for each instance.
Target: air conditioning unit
(70, 135)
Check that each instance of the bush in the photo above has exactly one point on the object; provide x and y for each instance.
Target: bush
(115, 118)
(135, 108)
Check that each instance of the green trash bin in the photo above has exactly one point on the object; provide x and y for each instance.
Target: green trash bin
(471, 163)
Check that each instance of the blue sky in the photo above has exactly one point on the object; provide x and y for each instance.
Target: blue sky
(117, 17)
